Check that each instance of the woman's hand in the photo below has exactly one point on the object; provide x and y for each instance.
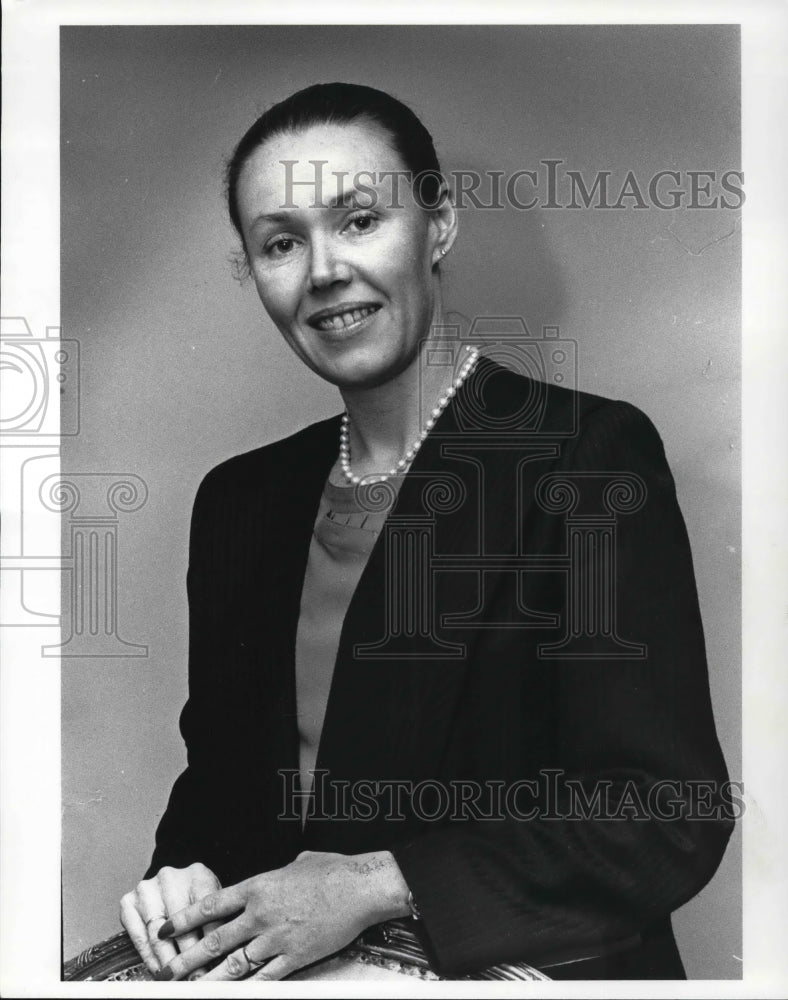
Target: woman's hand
(287, 918)
(145, 909)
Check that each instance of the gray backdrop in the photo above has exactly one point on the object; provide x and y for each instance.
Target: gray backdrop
(180, 367)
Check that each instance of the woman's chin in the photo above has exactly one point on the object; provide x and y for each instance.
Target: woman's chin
(360, 372)
(358, 365)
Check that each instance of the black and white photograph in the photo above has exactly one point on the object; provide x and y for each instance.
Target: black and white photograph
(382, 542)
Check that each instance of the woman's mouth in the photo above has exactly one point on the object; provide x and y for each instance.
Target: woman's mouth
(346, 321)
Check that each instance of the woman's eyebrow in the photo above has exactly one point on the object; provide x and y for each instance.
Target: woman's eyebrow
(354, 197)
(350, 198)
(283, 216)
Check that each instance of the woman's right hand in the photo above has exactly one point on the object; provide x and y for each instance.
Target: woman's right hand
(144, 910)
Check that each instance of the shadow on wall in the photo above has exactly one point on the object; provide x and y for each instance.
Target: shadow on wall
(516, 273)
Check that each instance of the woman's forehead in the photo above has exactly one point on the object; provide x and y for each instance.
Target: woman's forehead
(319, 163)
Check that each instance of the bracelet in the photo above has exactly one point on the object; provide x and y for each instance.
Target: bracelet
(414, 910)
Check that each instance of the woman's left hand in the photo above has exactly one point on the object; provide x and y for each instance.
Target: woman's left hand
(288, 918)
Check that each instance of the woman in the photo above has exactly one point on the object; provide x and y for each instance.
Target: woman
(344, 690)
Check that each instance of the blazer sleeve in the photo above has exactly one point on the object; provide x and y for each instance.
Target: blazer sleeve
(189, 831)
(639, 732)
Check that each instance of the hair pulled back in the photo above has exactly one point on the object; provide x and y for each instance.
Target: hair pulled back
(339, 104)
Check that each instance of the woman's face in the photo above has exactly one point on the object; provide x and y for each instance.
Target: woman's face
(350, 284)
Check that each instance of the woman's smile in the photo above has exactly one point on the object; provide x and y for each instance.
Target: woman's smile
(346, 319)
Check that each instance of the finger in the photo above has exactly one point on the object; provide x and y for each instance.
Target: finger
(175, 893)
(153, 911)
(278, 968)
(238, 964)
(213, 946)
(212, 907)
(203, 883)
(136, 930)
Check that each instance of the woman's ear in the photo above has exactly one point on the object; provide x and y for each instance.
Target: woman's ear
(442, 225)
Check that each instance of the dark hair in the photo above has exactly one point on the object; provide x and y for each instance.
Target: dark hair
(342, 103)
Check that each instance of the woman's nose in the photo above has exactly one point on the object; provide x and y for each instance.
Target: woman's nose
(327, 264)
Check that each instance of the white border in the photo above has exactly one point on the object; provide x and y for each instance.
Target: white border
(30, 694)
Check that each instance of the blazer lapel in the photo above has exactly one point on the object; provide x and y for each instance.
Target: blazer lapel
(400, 670)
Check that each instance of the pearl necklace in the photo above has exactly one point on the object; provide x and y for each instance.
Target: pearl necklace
(410, 454)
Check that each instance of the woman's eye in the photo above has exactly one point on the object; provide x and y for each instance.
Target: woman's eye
(364, 222)
(280, 247)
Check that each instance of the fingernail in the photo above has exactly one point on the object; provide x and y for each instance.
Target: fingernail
(196, 975)
(165, 930)
(164, 974)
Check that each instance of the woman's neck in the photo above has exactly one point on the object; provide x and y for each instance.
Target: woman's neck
(385, 421)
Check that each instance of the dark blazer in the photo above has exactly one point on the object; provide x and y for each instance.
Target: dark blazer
(528, 669)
